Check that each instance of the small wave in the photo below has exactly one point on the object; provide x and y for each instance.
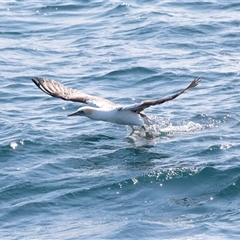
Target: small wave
(116, 10)
(50, 9)
(134, 71)
(219, 185)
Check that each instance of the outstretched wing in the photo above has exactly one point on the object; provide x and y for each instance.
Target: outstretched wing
(58, 90)
(138, 107)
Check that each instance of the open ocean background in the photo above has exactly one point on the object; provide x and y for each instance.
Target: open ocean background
(72, 178)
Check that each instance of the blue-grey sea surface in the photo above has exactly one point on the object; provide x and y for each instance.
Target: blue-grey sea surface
(73, 178)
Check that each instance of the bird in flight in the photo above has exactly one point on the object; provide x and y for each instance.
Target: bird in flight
(102, 109)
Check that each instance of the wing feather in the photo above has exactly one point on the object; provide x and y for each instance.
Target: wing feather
(58, 90)
(138, 107)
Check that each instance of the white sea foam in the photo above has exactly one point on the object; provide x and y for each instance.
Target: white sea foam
(13, 145)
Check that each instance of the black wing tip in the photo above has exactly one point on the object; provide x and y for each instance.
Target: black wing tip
(198, 80)
(34, 79)
(194, 83)
(37, 80)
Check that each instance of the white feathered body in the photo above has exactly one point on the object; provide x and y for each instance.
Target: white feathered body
(124, 117)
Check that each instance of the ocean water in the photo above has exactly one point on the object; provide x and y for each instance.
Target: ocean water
(72, 178)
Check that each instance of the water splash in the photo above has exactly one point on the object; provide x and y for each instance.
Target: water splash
(162, 127)
(185, 128)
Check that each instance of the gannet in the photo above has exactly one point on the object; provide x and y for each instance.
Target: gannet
(102, 109)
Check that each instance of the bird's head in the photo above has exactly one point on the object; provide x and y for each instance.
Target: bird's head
(83, 111)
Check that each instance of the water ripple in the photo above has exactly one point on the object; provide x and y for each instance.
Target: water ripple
(97, 180)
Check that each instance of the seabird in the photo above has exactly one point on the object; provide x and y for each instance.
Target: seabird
(102, 109)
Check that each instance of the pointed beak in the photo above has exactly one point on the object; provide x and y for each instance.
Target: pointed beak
(72, 114)
(77, 113)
